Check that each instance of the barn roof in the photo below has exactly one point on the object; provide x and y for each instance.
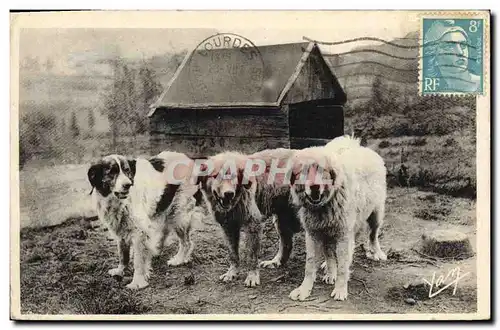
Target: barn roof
(228, 77)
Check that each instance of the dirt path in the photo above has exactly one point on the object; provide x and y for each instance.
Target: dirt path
(64, 270)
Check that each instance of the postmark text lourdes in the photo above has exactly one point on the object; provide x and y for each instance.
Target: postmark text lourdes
(438, 284)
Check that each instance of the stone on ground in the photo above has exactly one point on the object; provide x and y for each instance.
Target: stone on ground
(446, 244)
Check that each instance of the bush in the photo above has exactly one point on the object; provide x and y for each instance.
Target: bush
(445, 179)
(420, 119)
(384, 144)
(450, 142)
(38, 132)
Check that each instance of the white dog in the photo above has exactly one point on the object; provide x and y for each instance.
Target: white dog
(344, 186)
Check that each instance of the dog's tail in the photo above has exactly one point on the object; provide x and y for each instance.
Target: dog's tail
(342, 143)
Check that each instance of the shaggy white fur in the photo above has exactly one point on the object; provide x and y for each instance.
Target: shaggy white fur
(331, 214)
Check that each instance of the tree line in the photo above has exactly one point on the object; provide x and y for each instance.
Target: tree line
(125, 104)
(391, 111)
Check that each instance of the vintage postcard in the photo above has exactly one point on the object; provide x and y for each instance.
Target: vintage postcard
(319, 165)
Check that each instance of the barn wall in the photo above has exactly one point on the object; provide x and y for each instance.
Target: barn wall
(207, 146)
(203, 132)
(313, 83)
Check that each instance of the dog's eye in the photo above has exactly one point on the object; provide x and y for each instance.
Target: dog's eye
(296, 176)
(114, 170)
(228, 175)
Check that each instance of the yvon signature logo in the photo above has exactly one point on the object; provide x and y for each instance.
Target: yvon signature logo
(445, 281)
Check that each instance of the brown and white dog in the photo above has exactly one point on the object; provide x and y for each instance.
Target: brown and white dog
(141, 201)
(231, 198)
(342, 187)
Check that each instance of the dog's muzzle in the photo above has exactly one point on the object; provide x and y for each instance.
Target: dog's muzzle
(121, 195)
(124, 192)
(314, 196)
(225, 201)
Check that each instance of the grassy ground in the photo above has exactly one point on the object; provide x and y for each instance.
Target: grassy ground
(64, 270)
(50, 195)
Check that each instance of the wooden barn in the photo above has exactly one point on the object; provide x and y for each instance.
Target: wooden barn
(287, 97)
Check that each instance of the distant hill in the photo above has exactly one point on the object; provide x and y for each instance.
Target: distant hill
(400, 71)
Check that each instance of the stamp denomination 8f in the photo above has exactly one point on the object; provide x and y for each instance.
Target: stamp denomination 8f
(452, 56)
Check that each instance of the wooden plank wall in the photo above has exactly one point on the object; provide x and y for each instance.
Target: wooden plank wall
(314, 114)
(257, 122)
(195, 147)
(204, 132)
(313, 83)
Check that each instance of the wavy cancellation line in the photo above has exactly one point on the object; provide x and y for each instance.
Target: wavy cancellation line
(390, 43)
(367, 50)
(375, 63)
(366, 74)
(390, 66)
(358, 86)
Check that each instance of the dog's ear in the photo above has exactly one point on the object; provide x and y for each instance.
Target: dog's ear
(293, 177)
(333, 176)
(95, 175)
(132, 163)
(296, 171)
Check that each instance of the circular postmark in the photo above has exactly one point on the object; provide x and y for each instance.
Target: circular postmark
(226, 68)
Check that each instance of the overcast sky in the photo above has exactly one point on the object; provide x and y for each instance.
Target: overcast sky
(66, 45)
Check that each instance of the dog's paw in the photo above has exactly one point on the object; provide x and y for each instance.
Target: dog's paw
(339, 293)
(273, 263)
(230, 275)
(329, 278)
(301, 293)
(377, 255)
(137, 284)
(119, 271)
(253, 278)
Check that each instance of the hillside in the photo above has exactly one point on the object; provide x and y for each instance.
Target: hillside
(397, 67)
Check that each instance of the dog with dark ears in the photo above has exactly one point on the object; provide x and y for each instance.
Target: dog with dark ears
(141, 201)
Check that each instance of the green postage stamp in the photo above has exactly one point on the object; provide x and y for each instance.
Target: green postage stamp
(452, 56)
